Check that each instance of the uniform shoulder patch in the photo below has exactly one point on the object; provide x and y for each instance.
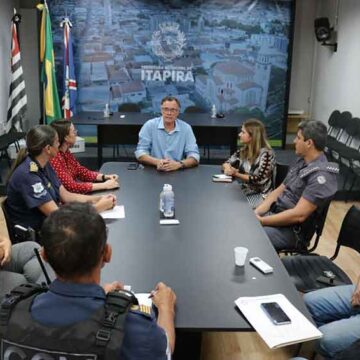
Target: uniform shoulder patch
(33, 167)
(321, 179)
(38, 188)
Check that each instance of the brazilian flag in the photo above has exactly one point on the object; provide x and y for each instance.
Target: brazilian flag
(52, 110)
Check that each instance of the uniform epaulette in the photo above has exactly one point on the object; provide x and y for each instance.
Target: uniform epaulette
(329, 167)
(142, 309)
(332, 167)
(33, 167)
(308, 170)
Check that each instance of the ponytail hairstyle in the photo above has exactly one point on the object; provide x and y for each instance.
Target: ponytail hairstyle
(62, 127)
(36, 139)
(256, 130)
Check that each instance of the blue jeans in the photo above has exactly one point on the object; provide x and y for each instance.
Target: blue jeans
(281, 237)
(335, 317)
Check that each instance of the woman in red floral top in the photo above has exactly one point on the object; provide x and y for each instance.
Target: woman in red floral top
(73, 176)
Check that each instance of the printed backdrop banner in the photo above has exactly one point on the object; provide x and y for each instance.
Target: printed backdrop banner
(232, 54)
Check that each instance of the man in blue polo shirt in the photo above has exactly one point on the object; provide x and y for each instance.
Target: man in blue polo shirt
(167, 142)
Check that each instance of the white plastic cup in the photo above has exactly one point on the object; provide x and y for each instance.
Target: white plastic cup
(240, 255)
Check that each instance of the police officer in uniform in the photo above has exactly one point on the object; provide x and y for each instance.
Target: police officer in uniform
(33, 189)
(309, 184)
(66, 319)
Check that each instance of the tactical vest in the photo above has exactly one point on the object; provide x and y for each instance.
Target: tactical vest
(99, 337)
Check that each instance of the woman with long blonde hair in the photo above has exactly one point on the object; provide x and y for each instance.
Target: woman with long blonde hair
(254, 163)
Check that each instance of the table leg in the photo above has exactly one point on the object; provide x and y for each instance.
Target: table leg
(99, 146)
(188, 345)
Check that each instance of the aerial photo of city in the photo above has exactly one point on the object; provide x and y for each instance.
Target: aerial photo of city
(232, 54)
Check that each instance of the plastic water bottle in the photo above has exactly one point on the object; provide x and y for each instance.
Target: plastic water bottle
(167, 201)
(106, 111)
(161, 204)
(213, 111)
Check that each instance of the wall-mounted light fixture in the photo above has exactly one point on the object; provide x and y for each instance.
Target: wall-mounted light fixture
(323, 32)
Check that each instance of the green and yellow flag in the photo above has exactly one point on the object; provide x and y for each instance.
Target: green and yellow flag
(51, 102)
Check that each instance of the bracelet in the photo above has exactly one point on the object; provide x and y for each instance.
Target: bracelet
(103, 178)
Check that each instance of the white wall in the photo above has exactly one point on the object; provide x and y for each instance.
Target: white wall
(337, 75)
(302, 56)
(6, 13)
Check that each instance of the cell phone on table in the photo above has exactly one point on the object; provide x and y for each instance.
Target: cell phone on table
(275, 313)
(133, 166)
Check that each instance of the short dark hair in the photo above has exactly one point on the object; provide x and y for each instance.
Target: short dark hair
(171, 98)
(316, 131)
(74, 238)
(62, 127)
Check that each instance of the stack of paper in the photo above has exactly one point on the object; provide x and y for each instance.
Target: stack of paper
(299, 330)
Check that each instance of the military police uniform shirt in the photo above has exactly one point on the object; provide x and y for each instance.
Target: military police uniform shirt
(29, 187)
(67, 303)
(315, 182)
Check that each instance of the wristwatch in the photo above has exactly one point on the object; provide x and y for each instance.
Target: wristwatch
(104, 178)
(182, 165)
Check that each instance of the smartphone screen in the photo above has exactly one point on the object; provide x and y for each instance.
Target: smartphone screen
(133, 166)
(275, 313)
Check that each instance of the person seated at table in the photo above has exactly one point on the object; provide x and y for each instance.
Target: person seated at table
(34, 190)
(77, 311)
(74, 177)
(18, 264)
(336, 312)
(166, 141)
(310, 182)
(254, 163)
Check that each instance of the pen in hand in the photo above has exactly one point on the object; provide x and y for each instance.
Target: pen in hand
(152, 293)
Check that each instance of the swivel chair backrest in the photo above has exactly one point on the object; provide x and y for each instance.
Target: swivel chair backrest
(349, 234)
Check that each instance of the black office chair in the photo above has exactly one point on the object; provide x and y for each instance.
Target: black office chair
(280, 173)
(125, 107)
(305, 232)
(12, 137)
(194, 110)
(333, 130)
(4, 144)
(307, 270)
(342, 136)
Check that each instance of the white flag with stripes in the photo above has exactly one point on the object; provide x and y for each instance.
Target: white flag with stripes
(17, 96)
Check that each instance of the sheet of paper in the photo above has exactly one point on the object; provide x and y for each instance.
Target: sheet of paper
(299, 330)
(118, 212)
(143, 299)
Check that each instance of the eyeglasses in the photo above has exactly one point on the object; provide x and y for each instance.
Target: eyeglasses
(169, 110)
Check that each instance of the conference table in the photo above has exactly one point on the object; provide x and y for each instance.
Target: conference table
(123, 128)
(196, 257)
